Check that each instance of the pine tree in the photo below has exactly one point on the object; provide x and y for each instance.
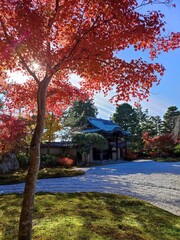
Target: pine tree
(77, 114)
(170, 118)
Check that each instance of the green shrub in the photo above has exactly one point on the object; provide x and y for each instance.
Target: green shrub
(43, 158)
(23, 159)
(177, 150)
(51, 160)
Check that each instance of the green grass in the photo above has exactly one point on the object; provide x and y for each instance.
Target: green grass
(168, 159)
(89, 216)
(19, 176)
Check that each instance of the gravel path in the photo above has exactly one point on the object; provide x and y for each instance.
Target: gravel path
(157, 183)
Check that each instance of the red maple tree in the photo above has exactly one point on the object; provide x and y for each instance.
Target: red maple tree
(81, 37)
(12, 132)
(158, 145)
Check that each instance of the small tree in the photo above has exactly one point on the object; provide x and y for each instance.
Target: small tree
(86, 141)
(52, 126)
(177, 150)
(163, 144)
(51, 129)
(12, 133)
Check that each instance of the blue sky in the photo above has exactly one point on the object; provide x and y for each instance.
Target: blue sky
(167, 93)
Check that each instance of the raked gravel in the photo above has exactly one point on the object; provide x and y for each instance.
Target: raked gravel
(154, 182)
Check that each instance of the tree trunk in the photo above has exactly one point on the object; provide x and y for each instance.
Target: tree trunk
(25, 223)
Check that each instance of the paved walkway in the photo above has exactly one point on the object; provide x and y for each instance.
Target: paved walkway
(157, 183)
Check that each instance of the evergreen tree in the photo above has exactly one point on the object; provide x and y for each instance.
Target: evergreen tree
(157, 125)
(76, 116)
(127, 117)
(143, 118)
(170, 118)
(151, 124)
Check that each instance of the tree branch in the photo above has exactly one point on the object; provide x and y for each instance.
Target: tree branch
(23, 62)
(50, 23)
(51, 20)
(57, 66)
(148, 2)
(83, 15)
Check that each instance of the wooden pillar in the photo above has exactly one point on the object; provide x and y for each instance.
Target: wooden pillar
(90, 157)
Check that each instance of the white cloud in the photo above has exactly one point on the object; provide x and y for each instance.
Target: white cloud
(105, 108)
(156, 105)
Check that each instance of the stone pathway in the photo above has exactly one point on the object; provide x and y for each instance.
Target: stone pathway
(157, 183)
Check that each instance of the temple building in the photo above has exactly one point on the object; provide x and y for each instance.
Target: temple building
(114, 134)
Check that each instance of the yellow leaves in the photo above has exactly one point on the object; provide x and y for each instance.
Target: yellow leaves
(52, 125)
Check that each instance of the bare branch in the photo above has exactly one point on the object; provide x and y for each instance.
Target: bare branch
(148, 2)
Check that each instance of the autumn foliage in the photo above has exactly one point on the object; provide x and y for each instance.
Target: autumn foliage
(65, 162)
(80, 37)
(12, 132)
(156, 145)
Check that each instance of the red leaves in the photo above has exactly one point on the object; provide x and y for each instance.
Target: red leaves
(163, 143)
(61, 93)
(12, 131)
(80, 37)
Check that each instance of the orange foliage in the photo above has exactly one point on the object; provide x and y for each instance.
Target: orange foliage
(66, 162)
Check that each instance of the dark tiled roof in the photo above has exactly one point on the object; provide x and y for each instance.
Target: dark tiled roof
(103, 125)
